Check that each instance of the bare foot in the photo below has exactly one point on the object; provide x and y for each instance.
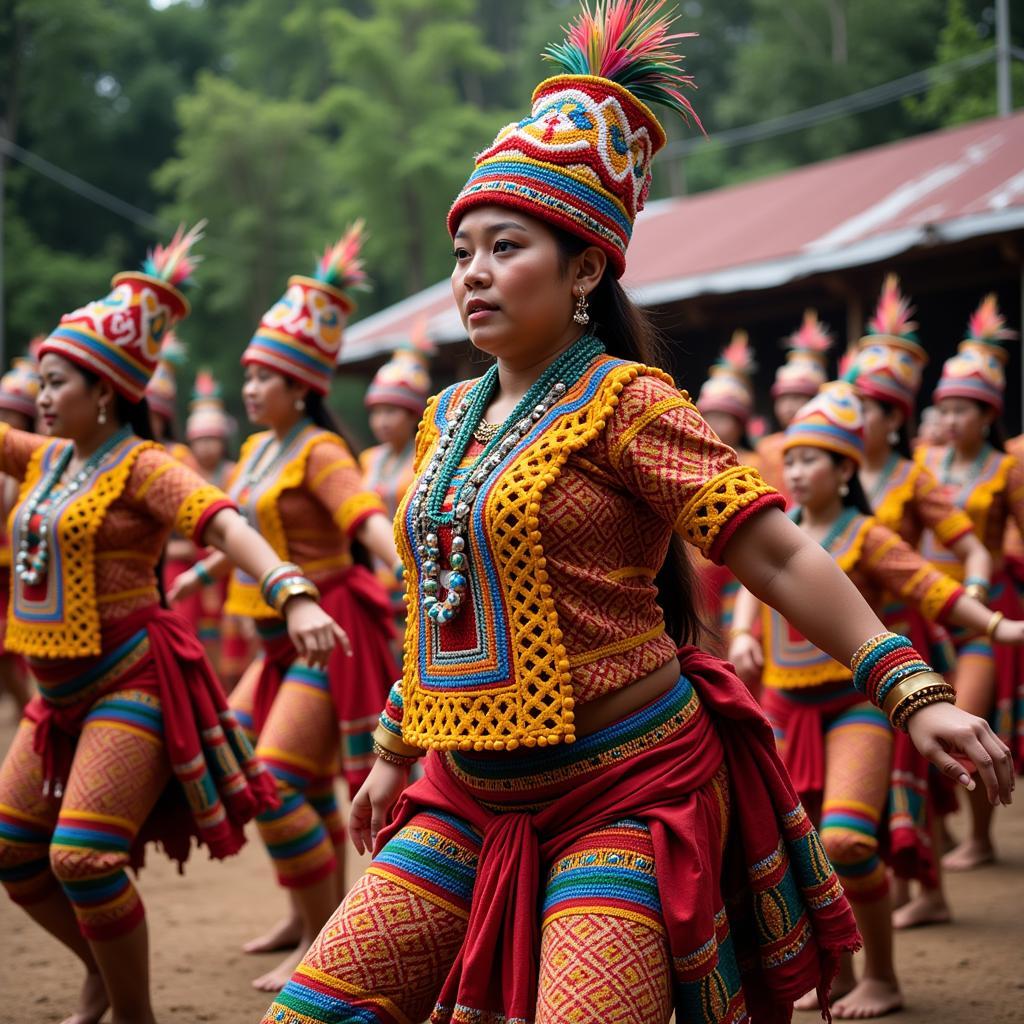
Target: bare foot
(840, 987)
(871, 997)
(928, 908)
(92, 1001)
(284, 935)
(970, 854)
(275, 980)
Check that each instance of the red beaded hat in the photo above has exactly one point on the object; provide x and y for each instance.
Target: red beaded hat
(119, 337)
(728, 387)
(804, 370)
(978, 370)
(890, 360)
(300, 335)
(581, 159)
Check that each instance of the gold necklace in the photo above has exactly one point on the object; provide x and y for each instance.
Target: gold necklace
(486, 432)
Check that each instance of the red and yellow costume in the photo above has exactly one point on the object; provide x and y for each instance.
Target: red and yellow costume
(309, 501)
(535, 875)
(127, 699)
(992, 494)
(837, 746)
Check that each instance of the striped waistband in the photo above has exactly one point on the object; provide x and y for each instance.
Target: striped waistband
(533, 776)
(72, 681)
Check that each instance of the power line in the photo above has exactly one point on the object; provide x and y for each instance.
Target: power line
(867, 99)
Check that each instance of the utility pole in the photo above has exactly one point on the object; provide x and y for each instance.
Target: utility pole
(1004, 99)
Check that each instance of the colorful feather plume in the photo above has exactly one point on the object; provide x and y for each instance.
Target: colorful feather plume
(175, 262)
(813, 335)
(893, 313)
(738, 355)
(848, 369)
(206, 386)
(629, 42)
(340, 265)
(987, 324)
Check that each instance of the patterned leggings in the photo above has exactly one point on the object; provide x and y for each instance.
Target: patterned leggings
(299, 744)
(84, 841)
(858, 760)
(383, 956)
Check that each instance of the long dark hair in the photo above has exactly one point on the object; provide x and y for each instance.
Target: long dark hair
(997, 432)
(855, 497)
(627, 333)
(323, 416)
(902, 445)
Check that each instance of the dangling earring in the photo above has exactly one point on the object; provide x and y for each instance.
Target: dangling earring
(844, 490)
(300, 405)
(581, 316)
(893, 438)
(101, 416)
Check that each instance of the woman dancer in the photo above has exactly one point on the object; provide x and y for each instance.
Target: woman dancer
(534, 620)
(988, 484)
(796, 381)
(299, 484)
(128, 702)
(396, 399)
(19, 388)
(837, 746)
(905, 497)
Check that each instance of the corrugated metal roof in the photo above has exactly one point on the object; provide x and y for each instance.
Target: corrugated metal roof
(850, 211)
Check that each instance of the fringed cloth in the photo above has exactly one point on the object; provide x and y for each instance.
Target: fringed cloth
(359, 684)
(218, 784)
(783, 905)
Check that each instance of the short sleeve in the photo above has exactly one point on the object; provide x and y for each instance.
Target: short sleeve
(936, 512)
(17, 448)
(668, 457)
(335, 480)
(893, 565)
(175, 495)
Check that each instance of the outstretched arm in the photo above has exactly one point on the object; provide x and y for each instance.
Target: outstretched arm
(782, 566)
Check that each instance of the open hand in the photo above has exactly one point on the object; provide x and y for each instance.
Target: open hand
(372, 804)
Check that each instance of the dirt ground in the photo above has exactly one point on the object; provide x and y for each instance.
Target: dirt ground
(972, 971)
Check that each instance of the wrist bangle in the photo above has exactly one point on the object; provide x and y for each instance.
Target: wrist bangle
(993, 624)
(203, 574)
(395, 744)
(908, 687)
(398, 760)
(977, 591)
(298, 586)
(277, 574)
(914, 704)
(738, 631)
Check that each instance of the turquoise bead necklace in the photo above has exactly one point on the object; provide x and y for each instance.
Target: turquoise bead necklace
(428, 512)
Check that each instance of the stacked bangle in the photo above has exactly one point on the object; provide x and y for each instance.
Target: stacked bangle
(203, 574)
(399, 760)
(915, 693)
(393, 749)
(882, 662)
(285, 581)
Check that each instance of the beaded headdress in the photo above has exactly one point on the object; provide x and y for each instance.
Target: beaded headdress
(978, 370)
(805, 368)
(581, 159)
(207, 416)
(162, 389)
(404, 380)
(300, 335)
(728, 387)
(832, 420)
(890, 360)
(119, 337)
(19, 387)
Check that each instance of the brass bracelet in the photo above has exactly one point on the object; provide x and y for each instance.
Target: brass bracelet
(295, 570)
(908, 687)
(297, 587)
(396, 759)
(395, 744)
(900, 709)
(736, 631)
(978, 591)
(993, 625)
(914, 704)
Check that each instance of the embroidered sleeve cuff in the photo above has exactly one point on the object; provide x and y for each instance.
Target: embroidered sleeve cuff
(198, 509)
(953, 527)
(391, 716)
(357, 509)
(726, 501)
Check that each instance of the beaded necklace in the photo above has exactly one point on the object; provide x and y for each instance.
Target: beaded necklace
(427, 505)
(967, 484)
(31, 566)
(257, 470)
